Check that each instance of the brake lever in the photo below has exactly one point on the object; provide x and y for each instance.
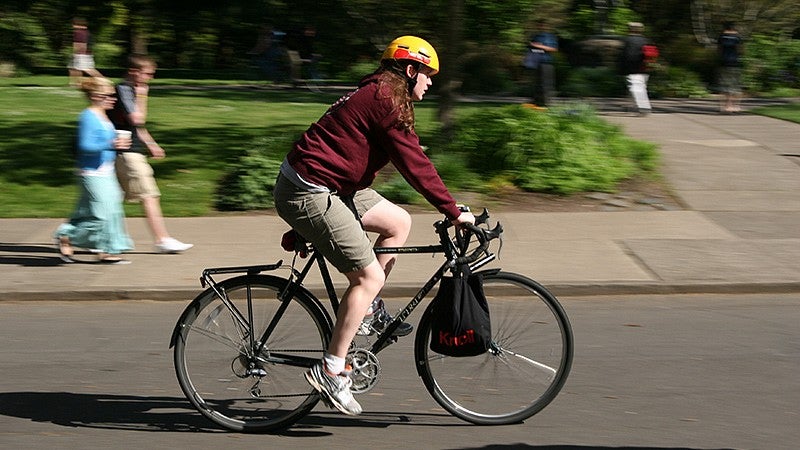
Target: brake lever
(482, 218)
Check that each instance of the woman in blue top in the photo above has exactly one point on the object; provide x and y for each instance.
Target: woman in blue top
(98, 221)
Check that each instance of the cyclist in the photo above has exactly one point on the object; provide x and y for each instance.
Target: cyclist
(323, 193)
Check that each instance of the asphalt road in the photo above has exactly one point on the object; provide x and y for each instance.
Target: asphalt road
(649, 372)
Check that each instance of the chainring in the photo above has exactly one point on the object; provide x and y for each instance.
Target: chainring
(366, 370)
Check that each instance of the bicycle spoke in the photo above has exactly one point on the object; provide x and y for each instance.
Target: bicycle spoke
(544, 367)
(523, 369)
(217, 366)
(222, 339)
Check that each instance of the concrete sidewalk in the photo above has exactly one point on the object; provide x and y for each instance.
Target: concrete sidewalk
(737, 175)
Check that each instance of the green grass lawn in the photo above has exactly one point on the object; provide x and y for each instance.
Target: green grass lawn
(201, 129)
(789, 112)
(203, 125)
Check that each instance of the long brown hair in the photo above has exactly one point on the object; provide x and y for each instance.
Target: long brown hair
(392, 74)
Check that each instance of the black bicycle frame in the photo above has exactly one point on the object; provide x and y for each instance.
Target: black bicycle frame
(317, 259)
(385, 338)
(296, 279)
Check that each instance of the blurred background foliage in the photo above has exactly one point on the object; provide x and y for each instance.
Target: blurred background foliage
(564, 150)
(481, 42)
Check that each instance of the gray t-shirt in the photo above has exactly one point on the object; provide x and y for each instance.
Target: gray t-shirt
(125, 105)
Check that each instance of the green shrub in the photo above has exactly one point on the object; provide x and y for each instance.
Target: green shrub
(107, 54)
(671, 81)
(782, 92)
(23, 41)
(665, 81)
(488, 73)
(397, 190)
(248, 183)
(771, 63)
(356, 71)
(593, 82)
(453, 168)
(684, 51)
(562, 150)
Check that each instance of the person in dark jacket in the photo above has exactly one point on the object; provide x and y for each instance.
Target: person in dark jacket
(729, 45)
(546, 42)
(324, 183)
(634, 68)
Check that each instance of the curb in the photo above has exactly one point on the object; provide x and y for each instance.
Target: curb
(186, 294)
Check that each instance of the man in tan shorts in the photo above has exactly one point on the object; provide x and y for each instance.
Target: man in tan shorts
(133, 171)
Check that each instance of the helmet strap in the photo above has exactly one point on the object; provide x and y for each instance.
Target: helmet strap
(412, 81)
(401, 68)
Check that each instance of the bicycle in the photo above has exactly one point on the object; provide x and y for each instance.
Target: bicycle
(241, 346)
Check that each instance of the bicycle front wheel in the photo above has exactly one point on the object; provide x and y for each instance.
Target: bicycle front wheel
(523, 370)
(220, 368)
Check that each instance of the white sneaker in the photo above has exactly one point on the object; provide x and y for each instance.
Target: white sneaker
(335, 390)
(171, 245)
(379, 320)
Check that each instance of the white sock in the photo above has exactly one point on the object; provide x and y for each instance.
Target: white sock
(333, 363)
(377, 302)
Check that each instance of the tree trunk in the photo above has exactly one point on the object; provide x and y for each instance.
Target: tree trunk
(138, 41)
(450, 76)
(140, 24)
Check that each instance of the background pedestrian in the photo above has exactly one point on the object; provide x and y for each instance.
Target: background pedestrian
(634, 68)
(544, 85)
(82, 58)
(730, 49)
(135, 174)
(98, 221)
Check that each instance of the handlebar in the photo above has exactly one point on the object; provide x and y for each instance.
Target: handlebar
(483, 235)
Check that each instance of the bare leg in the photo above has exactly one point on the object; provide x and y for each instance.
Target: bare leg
(152, 209)
(735, 102)
(393, 224)
(364, 286)
(75, 78)
(93, 72)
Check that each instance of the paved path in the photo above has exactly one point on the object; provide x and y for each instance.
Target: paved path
(737, 175)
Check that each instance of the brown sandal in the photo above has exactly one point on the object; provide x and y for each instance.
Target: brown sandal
(65, 249)
(105, 258)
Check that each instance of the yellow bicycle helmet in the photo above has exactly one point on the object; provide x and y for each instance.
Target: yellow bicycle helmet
(412, 48)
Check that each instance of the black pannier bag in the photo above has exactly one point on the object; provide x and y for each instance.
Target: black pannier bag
(461, 325)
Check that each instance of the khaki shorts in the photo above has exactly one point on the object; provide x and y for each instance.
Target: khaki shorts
(326, 221)
(136, 176)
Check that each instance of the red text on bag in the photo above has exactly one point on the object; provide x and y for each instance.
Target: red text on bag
(457, 341)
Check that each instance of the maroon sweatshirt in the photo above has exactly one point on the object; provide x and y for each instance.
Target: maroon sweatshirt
(358, 136)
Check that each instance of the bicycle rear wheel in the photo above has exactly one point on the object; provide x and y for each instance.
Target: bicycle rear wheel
(523, 371)
(217, 365)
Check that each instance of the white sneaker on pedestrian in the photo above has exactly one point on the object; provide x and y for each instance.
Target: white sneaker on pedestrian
(171, 245)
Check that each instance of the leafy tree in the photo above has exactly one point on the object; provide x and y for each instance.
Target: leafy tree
(751, 16)
(480, 41)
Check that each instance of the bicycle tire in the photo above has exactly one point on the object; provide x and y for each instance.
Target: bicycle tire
(523, 371)
(211, 348)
